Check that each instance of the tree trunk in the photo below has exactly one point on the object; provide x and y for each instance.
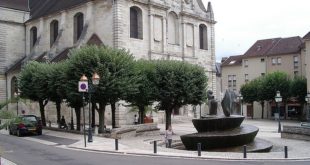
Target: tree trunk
(41, 104)
(141, 114)
(93, 115)
(101, 112)
(262, 103)
(168, 118)
(58, 107)
(78, 118)
(113, 108)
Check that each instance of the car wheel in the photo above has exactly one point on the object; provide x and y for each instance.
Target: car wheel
(19, 134)
(39, 132)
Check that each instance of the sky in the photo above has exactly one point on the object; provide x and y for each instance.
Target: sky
(240, 23)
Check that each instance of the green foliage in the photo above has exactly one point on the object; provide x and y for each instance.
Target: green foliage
(273, 82)
(298, 88)
(8, 115)
(178, 84)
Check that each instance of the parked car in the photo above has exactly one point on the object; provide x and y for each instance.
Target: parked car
(25, 124)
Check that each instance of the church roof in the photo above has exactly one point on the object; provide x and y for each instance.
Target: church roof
(15, 4)
(62, 55)
(16, 66)
(40, 8)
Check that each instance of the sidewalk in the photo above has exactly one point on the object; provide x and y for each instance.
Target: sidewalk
(297, 149)
(143, 145)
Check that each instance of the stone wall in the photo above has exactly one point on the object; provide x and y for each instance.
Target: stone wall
(296, 132)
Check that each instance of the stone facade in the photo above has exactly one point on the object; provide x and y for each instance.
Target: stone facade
(110, 20)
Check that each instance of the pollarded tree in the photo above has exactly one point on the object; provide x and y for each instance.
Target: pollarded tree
(298, 89)
(33, 84)
(82, 61)
(117, 81)
(273, 82)
(178, 84)
(56, 85)
(145, 72)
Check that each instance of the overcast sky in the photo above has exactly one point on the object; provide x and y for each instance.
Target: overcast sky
(241, 22)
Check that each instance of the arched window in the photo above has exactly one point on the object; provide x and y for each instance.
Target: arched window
(78, 26)
(136, 26)
(173, 28)
(14, 87)
(53, 31)
(203, 37)
(33, 36)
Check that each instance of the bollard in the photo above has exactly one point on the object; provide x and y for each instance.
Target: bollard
(199, 149)
(116, 144)
(244, 151)
(285, 152)
(155, 146)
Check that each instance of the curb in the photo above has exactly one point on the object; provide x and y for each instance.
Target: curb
(187, 157)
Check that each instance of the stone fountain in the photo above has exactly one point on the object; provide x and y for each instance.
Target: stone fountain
(224, 132)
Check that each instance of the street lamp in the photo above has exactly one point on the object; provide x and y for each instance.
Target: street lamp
(278, 99)
(240, 98)
(83, 87)
(307, 99)
(16, 95)
(94, 82)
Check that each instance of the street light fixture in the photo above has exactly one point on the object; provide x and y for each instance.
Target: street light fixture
(307, 99)
(240, 98)
(16, 95)
(88, 87)
(278, 99)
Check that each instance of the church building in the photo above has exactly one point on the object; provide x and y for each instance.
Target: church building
(46, 30)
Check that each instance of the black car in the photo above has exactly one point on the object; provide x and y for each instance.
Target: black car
(25, 124)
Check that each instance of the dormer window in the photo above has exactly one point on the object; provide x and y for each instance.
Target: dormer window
(259, 48)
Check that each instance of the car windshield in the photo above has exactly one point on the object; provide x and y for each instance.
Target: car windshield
(30, 118)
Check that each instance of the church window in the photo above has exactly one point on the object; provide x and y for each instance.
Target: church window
(33, 36)
(203, 37)
(173, 28)
(53, 31)
(136, 28)
(78, 26)
(14, 88)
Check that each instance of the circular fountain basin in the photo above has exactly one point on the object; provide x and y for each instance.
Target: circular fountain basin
(220, 139)
(217, 123)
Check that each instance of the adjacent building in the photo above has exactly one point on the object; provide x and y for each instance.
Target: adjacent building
(263, 57)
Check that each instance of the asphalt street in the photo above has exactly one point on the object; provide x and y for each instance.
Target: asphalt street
(24, 152)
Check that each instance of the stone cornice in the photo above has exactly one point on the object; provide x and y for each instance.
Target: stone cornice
(195, 16)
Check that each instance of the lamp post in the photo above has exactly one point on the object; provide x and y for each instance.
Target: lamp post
(240, 98)
(278, 99)
(307, 99)
(83, 87)
(16, 95)
(90, 89)
(94, 82)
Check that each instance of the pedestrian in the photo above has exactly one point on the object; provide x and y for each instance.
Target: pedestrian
(136, 120)
(63, 123)
(168, 137)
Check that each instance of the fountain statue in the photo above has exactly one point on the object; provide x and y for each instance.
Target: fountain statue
(217, 132)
